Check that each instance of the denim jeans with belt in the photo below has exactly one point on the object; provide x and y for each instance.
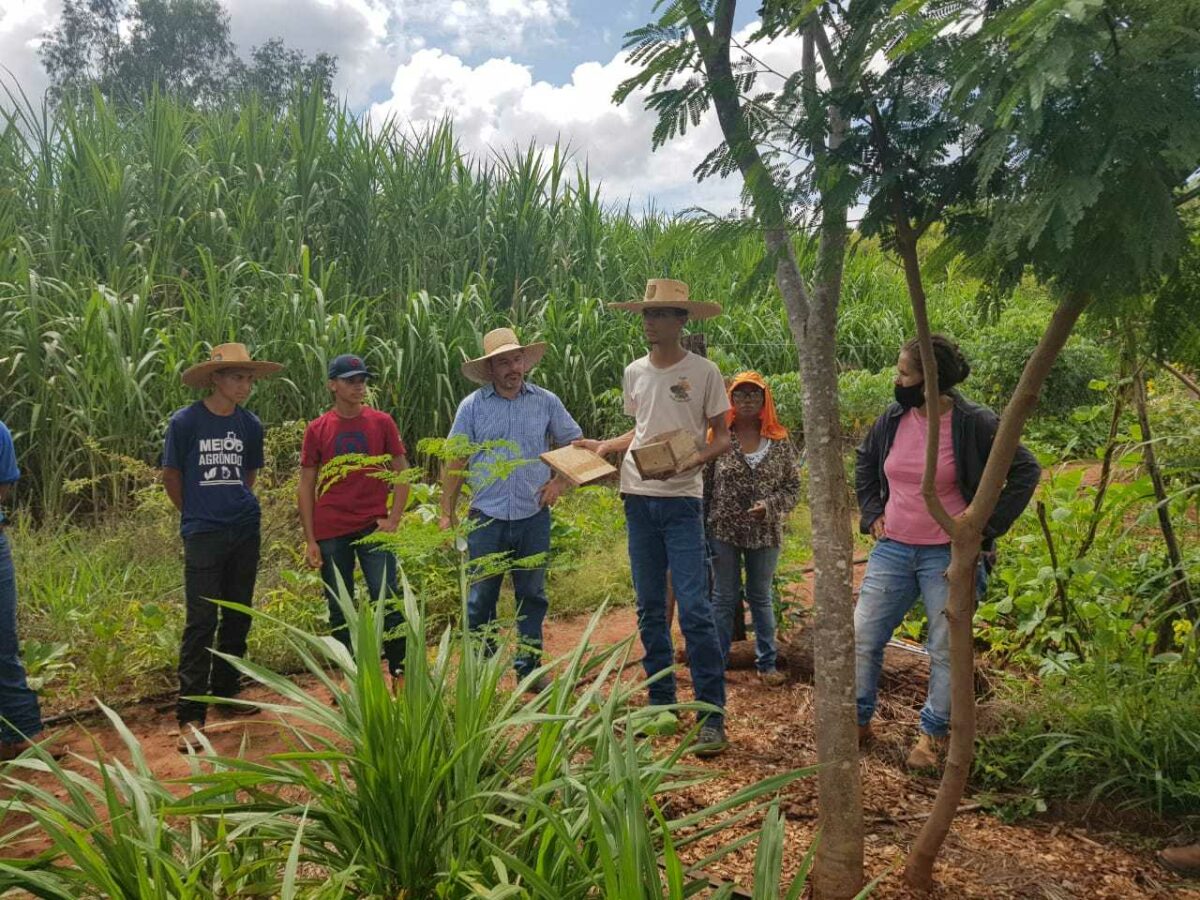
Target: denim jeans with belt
(519, 538)
(18, 703)
(218, 565)
(379, 572)
(897, 574)
(667, 533)
(760, 565)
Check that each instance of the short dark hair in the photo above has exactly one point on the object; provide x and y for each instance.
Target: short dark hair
(952, 366)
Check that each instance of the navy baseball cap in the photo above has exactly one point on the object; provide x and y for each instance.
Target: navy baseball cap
(347, 366)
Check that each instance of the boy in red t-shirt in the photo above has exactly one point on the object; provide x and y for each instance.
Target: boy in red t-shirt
(355, 506)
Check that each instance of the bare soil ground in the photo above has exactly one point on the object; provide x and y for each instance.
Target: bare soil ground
(771, 730)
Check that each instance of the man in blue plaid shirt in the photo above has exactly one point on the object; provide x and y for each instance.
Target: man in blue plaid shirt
(510, 515)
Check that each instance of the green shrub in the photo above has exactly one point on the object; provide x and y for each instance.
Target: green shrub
(998, 355)
(862, 396)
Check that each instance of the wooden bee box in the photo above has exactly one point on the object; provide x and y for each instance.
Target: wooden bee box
(665, 454)
(577, 465)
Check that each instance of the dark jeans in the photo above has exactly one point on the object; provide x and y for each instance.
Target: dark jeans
(760, 565)
(379, 571)
(668, 533)
(18, 704)
(218, 565)
(519, 538)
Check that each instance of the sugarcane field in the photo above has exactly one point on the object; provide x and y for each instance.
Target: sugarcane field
(557, 449)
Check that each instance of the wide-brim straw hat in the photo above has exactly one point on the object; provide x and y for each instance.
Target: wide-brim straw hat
(667, 293)
(496, 342)
(227, 356)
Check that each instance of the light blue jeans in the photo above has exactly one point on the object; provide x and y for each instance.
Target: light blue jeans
(760, 565)
(897, 574)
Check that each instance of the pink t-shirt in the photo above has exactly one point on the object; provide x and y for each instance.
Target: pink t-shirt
(905, 517)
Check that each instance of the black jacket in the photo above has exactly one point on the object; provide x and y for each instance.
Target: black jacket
(973, 428)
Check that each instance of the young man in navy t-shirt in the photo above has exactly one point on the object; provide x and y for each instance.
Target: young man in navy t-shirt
(213, 451)
(355, 506)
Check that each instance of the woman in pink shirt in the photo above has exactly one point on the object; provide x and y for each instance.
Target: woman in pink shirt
(912, 551)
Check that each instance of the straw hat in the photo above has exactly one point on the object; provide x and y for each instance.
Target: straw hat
(670, 294)
(227, 356)
(496, 342)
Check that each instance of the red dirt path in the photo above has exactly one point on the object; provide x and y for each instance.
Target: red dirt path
(770, 731)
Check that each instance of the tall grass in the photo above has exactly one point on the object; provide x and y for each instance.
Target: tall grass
(130, 240)
(445, 786)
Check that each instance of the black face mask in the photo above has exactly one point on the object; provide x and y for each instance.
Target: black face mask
(910, 396)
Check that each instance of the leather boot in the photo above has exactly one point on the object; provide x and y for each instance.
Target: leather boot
(927, 754)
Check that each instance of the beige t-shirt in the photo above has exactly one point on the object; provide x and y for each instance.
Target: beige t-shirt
(685, 395)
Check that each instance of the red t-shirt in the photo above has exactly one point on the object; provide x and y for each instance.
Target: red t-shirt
(352, 503)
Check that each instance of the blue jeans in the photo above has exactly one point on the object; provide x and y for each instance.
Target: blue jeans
(518, 538)
(897, 574)
(379, 572)
(760, 565)
(22, 717)
(667, 533)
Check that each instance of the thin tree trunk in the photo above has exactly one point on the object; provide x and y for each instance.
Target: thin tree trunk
(966, 539)
(1110, 449)
(838, 871)
(1179, 591)
(1183, 379)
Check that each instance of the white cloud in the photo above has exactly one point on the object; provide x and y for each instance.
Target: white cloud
(369, 37)
(21, 24)
(497, 105)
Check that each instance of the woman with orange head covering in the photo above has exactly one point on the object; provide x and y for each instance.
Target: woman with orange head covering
(749, 491)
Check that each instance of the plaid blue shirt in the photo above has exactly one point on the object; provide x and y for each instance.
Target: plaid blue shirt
(536, 421)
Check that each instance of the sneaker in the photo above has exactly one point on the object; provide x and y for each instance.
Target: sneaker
(927, 754)
(188, 741)
(661, 724)
(711, 741)
(1182, 860)
(772, 677)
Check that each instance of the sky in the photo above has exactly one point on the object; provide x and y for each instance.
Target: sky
(507, 72)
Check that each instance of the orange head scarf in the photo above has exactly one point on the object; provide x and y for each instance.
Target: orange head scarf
(769, 426)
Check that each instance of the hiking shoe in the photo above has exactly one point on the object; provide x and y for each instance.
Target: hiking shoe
(711, 741)
(188, 741)
(772, 677)
(1182, 860)
(661, 724)
(927, 754)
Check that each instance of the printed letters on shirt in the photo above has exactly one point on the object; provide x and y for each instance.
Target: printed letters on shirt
(221, 460)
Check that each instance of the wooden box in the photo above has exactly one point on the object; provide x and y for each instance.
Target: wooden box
(665, 454)
(577, 465)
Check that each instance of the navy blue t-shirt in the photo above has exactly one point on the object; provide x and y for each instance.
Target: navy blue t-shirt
(9, 473)
(215, 454)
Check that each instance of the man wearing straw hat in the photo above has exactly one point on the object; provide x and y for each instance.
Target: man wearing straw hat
(671, 389)
(510, 515)
(213, 451)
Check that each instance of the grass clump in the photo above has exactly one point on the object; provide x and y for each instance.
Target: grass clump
(444, 785)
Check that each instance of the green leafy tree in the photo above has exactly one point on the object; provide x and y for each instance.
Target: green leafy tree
(1088, 119)
(126, 50)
